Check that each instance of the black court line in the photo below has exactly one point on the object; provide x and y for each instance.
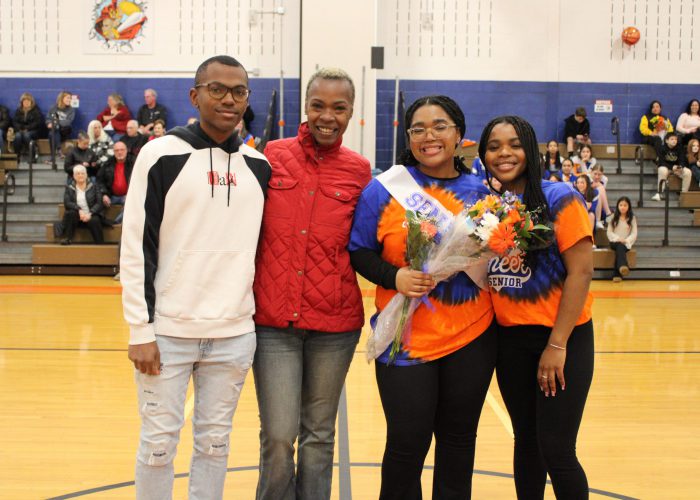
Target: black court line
(115, 486)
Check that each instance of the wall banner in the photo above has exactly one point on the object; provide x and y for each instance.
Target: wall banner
(118, 26)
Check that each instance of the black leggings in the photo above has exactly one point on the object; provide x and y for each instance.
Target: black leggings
(443, 397)
(620, 256)
(545, 428)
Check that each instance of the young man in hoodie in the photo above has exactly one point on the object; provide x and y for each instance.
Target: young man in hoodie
(190, 233)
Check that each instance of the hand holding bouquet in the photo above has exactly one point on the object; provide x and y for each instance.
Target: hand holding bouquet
(494, 225)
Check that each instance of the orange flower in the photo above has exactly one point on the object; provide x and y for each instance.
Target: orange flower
(502, 239)
(428, 229)
(512, 218)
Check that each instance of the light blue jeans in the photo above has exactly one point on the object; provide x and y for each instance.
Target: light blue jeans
(218, 368)
(299, 375)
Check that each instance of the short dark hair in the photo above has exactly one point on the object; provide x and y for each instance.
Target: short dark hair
(453, 111)
(82, 135)
(671, 134)
(581, 111)
(225, 60)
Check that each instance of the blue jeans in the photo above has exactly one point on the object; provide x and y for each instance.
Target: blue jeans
(118, 200)
(218, 368)
(299, 375)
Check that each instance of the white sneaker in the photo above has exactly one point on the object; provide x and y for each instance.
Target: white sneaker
(656, 197)
(600, 224)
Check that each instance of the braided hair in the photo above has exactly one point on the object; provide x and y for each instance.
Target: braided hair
(453, 111)
(533, 196)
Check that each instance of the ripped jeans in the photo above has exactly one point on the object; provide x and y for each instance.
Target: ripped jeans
(218, 368)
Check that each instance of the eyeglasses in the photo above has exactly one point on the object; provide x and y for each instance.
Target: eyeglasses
(218, 91)
(420, 133)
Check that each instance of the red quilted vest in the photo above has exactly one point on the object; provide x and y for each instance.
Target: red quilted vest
(303, 274)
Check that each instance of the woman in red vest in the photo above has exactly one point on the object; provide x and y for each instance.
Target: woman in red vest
(309, 309)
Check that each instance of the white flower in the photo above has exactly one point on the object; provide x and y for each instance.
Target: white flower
(488, 223)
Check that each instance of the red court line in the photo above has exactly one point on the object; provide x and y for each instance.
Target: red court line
(366, 292)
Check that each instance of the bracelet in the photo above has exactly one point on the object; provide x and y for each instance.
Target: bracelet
(557, 347)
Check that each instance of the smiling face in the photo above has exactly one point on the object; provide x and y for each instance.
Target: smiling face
(695, 146)
(581, 184)
(434, 150)
(66, 99)
(219, 117)
(158, 130)
(505, 157)
(694, 107)
(80, 176)
(328, 109)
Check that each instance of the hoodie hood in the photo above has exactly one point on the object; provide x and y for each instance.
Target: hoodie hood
(198, 139)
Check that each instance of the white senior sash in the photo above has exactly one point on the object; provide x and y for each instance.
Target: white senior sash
(410, 195)
(404, 189)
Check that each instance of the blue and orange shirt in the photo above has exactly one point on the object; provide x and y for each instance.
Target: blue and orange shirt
(528, 293)
(462, 311)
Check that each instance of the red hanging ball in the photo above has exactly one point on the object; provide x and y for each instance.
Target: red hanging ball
(630, 35)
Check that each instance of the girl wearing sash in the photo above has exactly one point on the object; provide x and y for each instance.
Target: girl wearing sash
(437, 383)
(545, 335)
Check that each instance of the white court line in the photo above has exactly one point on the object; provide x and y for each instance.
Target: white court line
(500, 412)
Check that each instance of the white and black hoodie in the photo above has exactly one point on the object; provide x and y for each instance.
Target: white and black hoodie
(190, 232)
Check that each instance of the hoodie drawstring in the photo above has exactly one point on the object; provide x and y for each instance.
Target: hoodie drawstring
(211, 173)
(228, 180)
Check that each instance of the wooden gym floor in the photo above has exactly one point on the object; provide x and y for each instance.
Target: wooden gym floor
(69, 424)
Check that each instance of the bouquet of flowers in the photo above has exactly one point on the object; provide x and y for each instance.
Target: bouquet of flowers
(494, 225)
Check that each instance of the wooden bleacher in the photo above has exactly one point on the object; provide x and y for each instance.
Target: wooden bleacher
(604, 256)
(82, 252)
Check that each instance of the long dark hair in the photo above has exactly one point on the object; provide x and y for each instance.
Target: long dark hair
(616, 217)
(548, 158)
(453, 111)
(687, 110)
(589, 194)
(650, 115)
(533, 196)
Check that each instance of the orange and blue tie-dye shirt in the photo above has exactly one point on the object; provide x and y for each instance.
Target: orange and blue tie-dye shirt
(462, 311)
(528, 293)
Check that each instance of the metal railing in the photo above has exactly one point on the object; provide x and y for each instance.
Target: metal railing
(639, 161)
(8, 188)
(32, 158)
(667, 197)
(615, 129)
(269, 129)
(53, 133)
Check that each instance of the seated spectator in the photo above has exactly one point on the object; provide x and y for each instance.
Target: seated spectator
(114, 176)
(5, 122)
(26, 123)
(158, 130)
(552, 159)
(100, 143)
(688, 124)
(599, 182)
(671, 162)
(81, 154)
(583, 185)
(584, 161)
(566, 174)
(115, 116)
(150, 112)
(133, 139)
(654, 127)
(83, 207)
(692, 158)
(622, 233)
(59, 121)
(577, 130)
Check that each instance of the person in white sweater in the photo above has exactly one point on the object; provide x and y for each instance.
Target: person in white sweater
(688, 124)
(190, 233)
(622, 233)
